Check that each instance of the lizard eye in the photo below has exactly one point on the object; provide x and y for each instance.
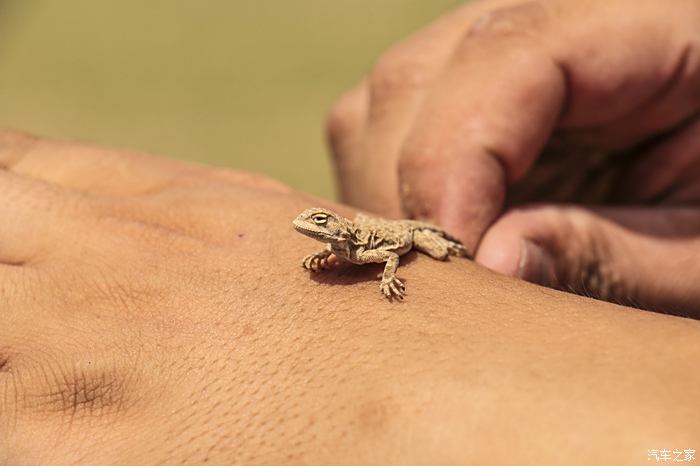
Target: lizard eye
(320, 219)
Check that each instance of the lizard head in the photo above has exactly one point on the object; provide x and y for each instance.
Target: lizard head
(322, 225)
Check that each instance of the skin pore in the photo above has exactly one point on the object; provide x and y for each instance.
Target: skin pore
(156, 312)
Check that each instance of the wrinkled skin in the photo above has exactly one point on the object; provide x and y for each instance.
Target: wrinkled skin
(154, 312)
(489, 117)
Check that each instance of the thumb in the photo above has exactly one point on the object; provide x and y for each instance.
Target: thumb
(647, 258)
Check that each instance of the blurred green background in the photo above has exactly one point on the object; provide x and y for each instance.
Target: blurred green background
(229, 82)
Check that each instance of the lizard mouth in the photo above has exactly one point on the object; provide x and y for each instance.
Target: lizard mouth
(308, 230)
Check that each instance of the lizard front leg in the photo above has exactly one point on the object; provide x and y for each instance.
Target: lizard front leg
(317, 261)
(390, 286)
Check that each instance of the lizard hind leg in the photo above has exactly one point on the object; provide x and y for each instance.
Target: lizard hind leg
(431, 244)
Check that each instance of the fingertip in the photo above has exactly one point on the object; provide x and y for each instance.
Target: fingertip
(462, 193)
(516, 246)
(520, 258)
(536, 264)
(472, 197)
(504, 256)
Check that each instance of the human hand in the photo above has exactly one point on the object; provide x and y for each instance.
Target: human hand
(148, 316)
(133, 295)
(451, 125)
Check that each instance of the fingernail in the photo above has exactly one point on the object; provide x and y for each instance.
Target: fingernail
(536, 264)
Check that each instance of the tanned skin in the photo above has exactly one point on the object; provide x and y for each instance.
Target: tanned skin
(153, 312)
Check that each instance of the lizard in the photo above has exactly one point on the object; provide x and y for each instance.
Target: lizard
(368, 240)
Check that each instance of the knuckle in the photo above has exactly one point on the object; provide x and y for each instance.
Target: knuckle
(82, 392)
(248, 179)
(46, 380)
(11, 136)
(520, 50)
(14, 145)
(399, 70)
(515, 32)
(417, 155)
(532, 59)
(522, 18)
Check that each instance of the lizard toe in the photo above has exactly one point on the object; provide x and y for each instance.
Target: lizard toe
(309, 262)
(393, 288)
(386, 289)
(396, 290)
(323, 263)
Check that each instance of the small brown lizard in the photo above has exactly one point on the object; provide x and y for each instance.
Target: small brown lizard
(373, 240)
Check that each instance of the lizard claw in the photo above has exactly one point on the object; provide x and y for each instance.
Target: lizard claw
(315, 262)
(393, 288)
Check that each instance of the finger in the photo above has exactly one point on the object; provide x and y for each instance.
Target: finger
(648, 258)
(465, 144)
(640, 86)
(471, 139)
(367, 126)
(34, 217)
(523, 72)
(80, 167)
